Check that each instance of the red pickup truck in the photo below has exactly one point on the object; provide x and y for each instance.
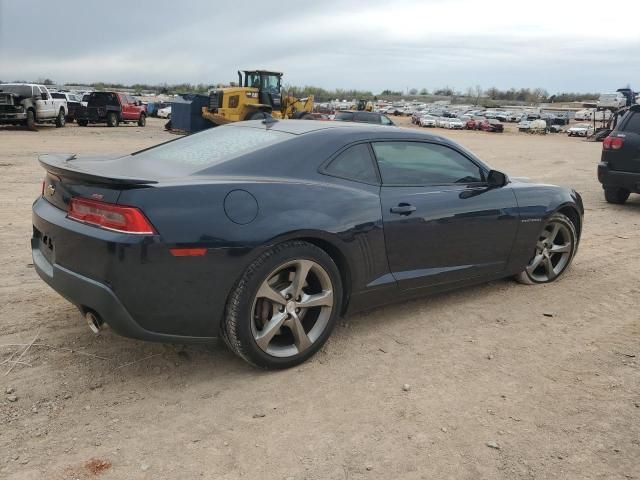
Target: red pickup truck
(112, 108)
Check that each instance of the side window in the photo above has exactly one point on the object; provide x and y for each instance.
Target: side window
(631, 122)
(355, 163)
(384, 120)
(416, 163)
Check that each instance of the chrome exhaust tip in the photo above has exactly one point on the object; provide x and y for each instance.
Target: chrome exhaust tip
(94, 322)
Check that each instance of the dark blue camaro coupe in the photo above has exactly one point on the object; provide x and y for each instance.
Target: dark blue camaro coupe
(265, 232)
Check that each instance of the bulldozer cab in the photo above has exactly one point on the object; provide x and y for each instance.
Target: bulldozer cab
(268, 84)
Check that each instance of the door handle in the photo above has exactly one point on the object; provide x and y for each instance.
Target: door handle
(403, 209)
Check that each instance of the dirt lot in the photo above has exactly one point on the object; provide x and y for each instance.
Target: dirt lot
(550, 374)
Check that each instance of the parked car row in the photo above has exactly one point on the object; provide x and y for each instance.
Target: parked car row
(29, 104)
(464, 123)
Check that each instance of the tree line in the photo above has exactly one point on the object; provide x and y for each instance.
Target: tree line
(474, 94)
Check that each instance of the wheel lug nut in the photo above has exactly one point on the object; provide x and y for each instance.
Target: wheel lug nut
(288, 296)
(297, 310)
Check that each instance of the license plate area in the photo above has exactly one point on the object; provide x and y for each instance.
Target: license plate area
(45, 244)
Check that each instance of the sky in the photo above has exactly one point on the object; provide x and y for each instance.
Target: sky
(559, 45)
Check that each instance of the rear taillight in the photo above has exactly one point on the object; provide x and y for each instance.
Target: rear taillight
(612, 143)
(117, 218)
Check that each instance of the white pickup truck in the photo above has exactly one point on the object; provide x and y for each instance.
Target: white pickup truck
(28, 104)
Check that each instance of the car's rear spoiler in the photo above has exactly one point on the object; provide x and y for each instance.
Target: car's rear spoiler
(61, 165)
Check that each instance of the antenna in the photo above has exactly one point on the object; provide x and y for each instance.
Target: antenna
(268, 120)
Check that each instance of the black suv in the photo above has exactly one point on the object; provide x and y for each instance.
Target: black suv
(619, 168)
(363, 117)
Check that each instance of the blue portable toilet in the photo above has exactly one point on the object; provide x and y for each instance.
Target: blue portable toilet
(186, 113)
(151, 109)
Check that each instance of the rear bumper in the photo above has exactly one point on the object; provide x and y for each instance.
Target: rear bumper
(121, 282)
(89, 295)
(611, 178)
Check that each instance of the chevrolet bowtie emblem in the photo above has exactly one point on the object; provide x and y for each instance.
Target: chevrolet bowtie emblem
(51, 189)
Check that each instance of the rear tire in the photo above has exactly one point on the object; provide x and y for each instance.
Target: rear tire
(83, 123)
(616, 195)
(31, 120)
(142, 121)
(60, 119)
(112, 119)
(266, 322)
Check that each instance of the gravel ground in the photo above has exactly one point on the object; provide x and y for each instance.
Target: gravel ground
(499, 381)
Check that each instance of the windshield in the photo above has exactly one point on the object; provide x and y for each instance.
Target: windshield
(210, 147)
(20, 90)
(266, 82)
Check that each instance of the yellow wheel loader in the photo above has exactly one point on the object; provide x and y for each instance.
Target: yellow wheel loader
(363, 105)
(259, 92)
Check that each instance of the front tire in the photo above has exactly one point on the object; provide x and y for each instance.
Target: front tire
(83, 123)
(555, 249)
(31, 120)
(284, 307)
(142, 121)
(616, 195)
(60, 119)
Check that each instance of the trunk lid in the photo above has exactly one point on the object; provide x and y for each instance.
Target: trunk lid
(68, 177)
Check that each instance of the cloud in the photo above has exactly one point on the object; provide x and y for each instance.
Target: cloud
(350, 44)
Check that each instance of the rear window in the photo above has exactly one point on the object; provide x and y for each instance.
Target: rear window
(631, 123)
(344, 116)
(367, 117)
(100, 99)
(58, 95)
(212, 146)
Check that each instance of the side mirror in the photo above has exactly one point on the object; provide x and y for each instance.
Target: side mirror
(496, 179)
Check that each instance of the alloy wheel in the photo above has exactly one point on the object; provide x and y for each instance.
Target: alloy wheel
(292, 308)
(553, 252)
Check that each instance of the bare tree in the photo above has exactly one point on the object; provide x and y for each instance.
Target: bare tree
(477, 90)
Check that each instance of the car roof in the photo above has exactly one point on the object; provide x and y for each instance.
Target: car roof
(300, 127)
(364, 112)
(343, 132)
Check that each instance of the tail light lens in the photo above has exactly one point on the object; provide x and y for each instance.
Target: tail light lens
(612, 143)
(117, 218)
